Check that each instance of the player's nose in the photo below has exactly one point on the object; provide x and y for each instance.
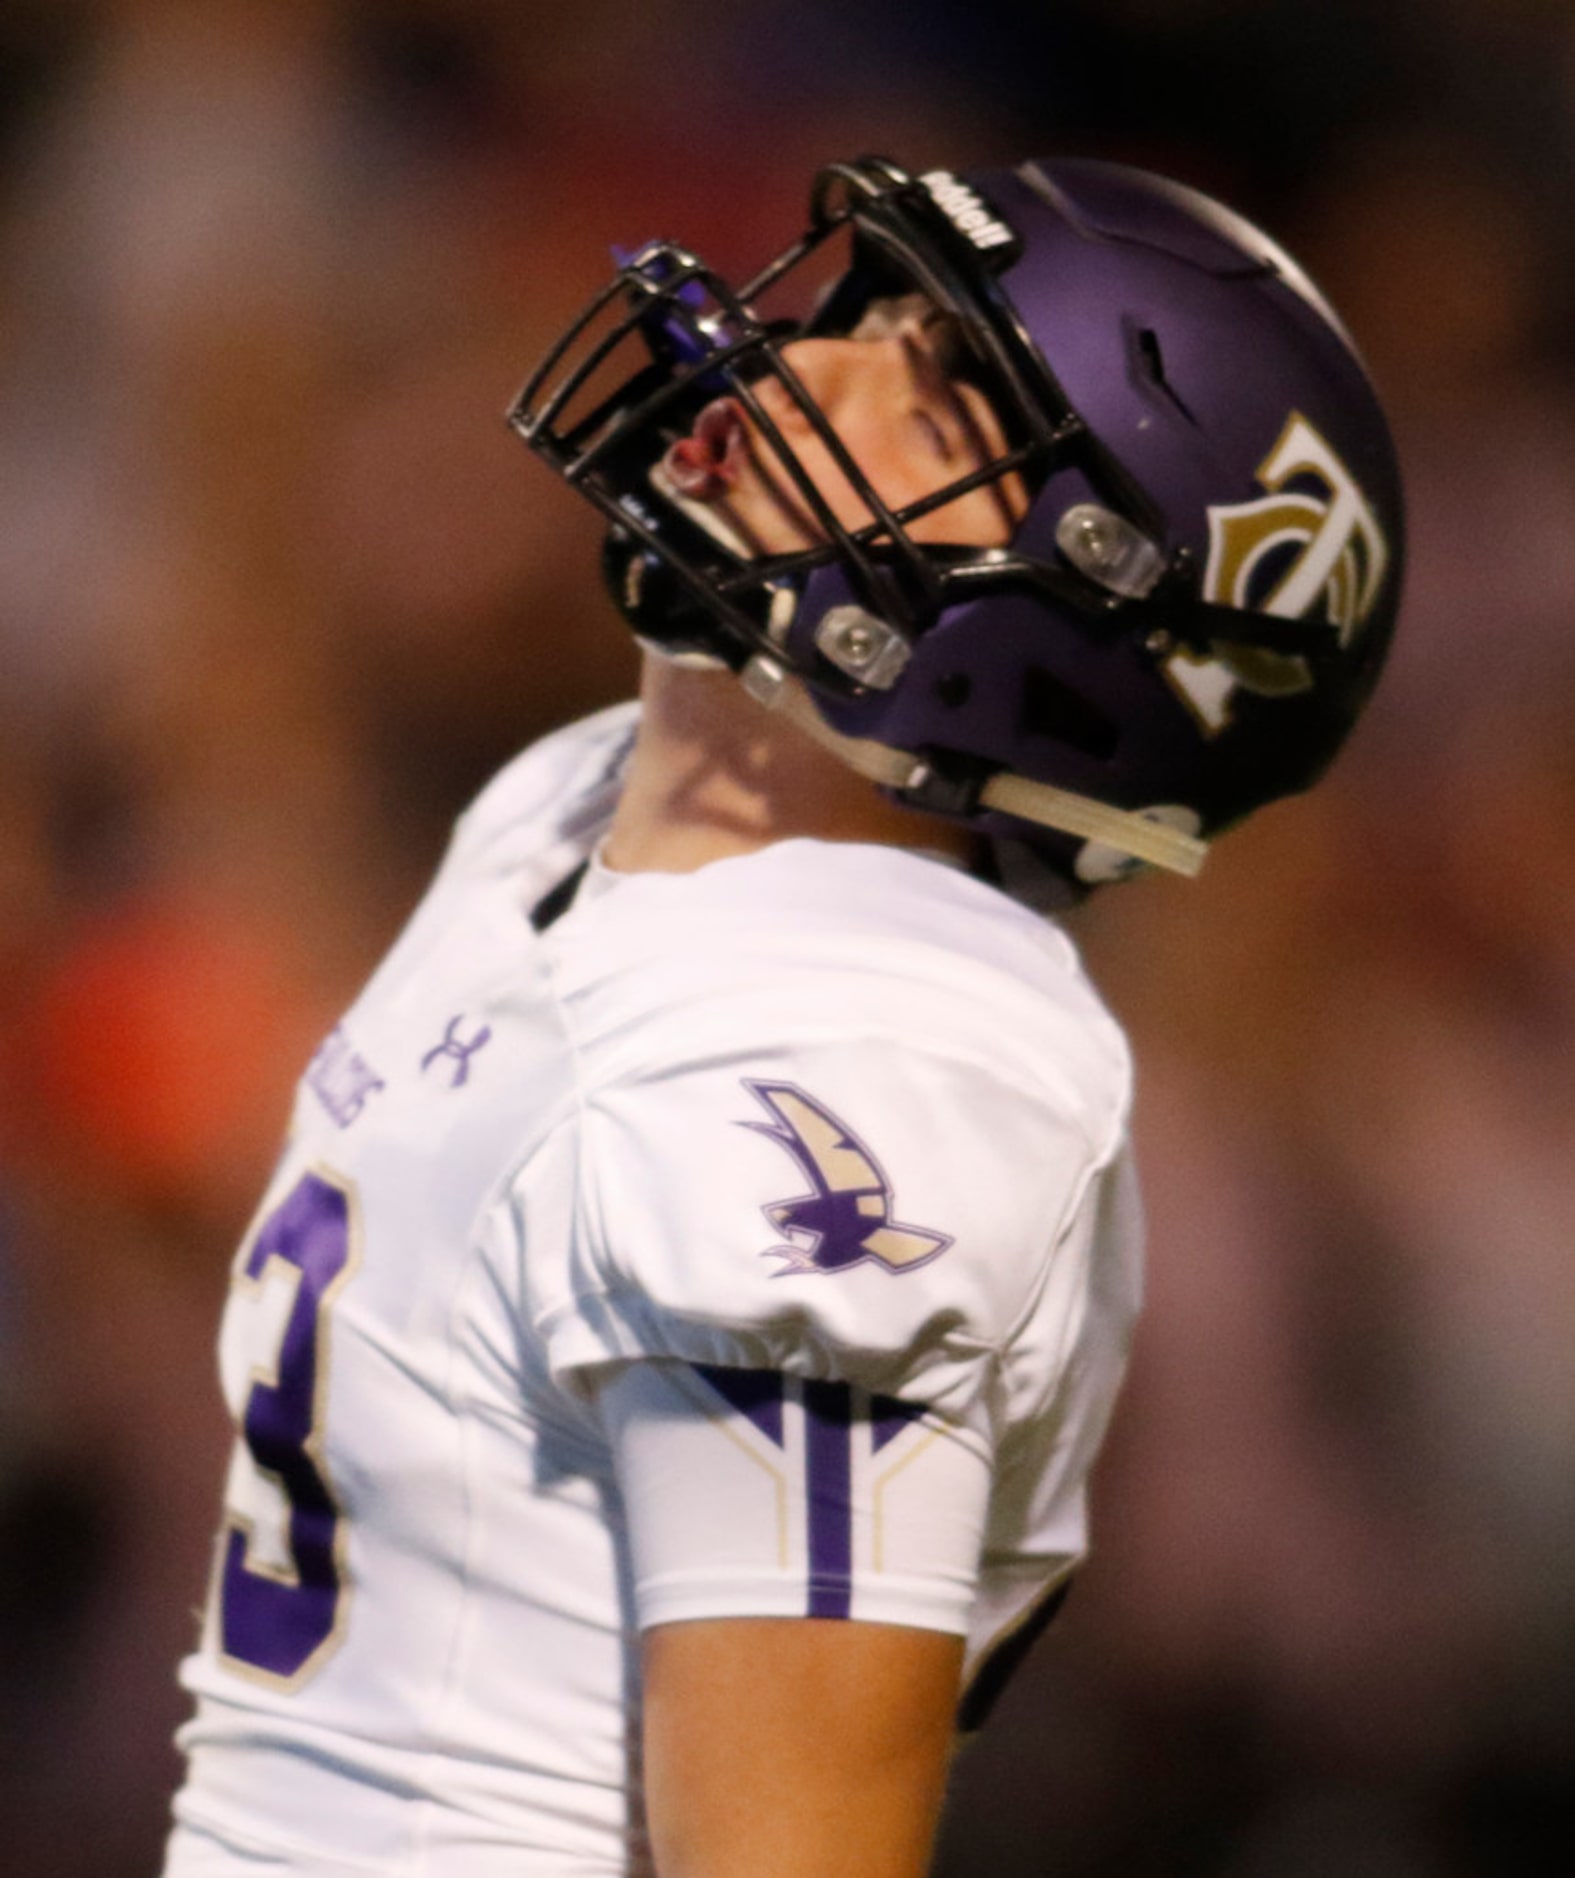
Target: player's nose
(838, 372)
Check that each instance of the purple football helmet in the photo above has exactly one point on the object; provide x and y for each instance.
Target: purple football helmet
(1195, 607)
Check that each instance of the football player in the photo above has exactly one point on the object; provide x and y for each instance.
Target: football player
(669, 1358)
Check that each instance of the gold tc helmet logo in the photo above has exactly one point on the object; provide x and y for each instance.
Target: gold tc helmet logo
(1339, 556)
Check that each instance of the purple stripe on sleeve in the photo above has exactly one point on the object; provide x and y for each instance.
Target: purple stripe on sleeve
(828, 1481)
(756, 1394)
(888, 1418)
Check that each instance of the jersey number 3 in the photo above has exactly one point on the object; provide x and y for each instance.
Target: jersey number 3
(281, 1578)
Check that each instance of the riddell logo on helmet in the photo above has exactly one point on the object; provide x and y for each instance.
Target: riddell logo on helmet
(1312, 544)
(966, 211)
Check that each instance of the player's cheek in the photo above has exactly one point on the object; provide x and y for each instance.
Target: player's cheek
(840, 494)
(973, 520)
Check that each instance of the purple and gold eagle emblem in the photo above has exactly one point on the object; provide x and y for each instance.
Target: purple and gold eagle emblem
(846, 1217)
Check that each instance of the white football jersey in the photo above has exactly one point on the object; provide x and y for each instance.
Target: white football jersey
(755, 1241)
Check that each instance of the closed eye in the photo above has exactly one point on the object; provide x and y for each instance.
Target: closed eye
(1010, 498)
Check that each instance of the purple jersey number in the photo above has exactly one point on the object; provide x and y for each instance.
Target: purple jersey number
(282, 1580)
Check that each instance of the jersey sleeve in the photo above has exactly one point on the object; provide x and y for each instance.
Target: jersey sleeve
(864, 1212)
(748, 1493)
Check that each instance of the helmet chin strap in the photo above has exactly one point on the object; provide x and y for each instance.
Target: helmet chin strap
(1124, 829)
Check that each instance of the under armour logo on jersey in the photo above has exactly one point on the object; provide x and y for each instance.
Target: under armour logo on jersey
(847, 1218)
(1313, 543)
(457, 1050)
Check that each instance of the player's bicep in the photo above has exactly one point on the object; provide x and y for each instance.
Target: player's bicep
(792, 1747)
(804, 1557)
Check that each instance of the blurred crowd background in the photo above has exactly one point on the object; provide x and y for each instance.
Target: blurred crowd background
(277, 593)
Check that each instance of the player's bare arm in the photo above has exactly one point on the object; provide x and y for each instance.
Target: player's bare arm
(791, 1748)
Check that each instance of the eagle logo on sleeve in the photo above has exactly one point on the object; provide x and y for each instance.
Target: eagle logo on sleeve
(846, 1217)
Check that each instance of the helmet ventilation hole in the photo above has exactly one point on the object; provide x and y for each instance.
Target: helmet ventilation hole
(1151, 365)
(954, 690)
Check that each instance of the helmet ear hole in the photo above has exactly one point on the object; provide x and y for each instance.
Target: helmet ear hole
(954, 690)
(1049, 709)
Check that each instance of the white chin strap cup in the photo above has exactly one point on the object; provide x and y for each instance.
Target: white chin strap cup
(1131, 833)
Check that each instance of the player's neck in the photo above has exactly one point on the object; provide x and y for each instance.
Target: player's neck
(714, 775)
